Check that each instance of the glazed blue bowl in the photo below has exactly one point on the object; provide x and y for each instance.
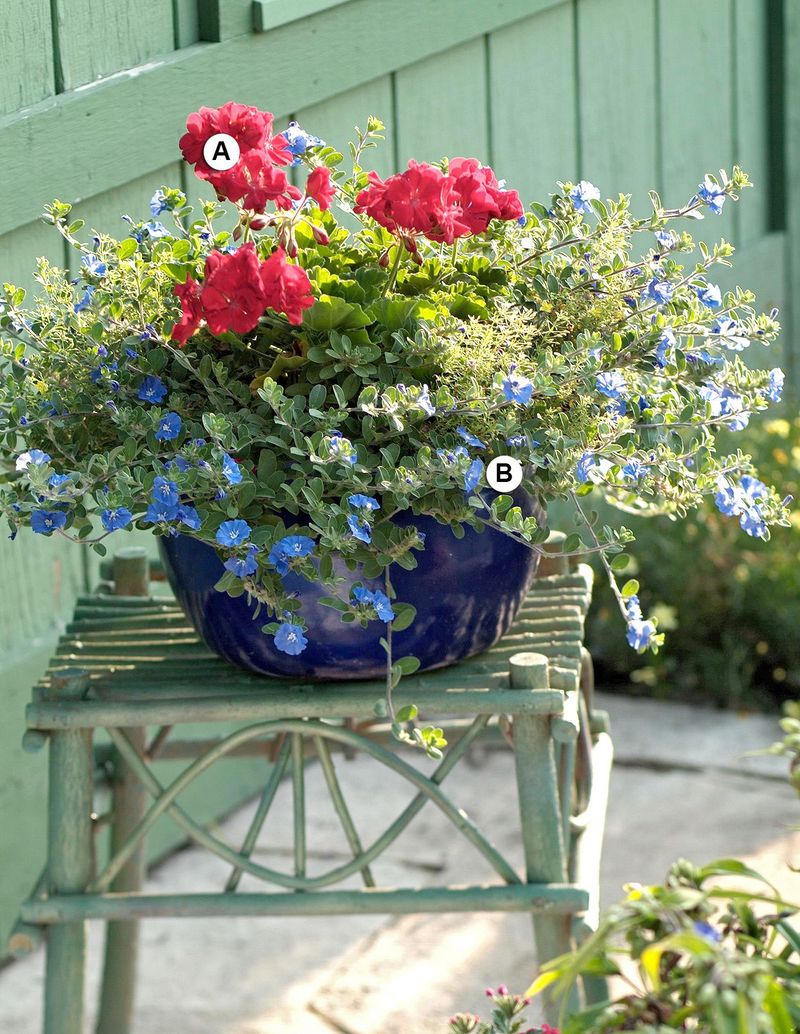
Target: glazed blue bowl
(467, 593)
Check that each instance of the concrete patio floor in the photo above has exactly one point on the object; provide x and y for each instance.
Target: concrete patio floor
(680, 788)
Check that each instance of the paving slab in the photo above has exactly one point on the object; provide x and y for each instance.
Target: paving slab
(681, 789)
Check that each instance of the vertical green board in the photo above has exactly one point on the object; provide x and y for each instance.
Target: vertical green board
(618, 98)
(532, 103)
(26, 46)
(751, 142)
(94, 39)
(441, 106)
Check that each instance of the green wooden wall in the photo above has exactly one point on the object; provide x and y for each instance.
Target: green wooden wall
(631, 94)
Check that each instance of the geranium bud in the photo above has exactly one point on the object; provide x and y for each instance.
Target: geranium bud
(383, 261)
(291, 248)
(237, 233)
(319, 234)
(259, 222)
(416, 257)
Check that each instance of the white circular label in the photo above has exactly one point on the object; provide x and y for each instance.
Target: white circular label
(504, 473)
(221, 152)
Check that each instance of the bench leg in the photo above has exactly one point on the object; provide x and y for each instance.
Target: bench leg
(129, 801)
(540, 815)
(69, 866)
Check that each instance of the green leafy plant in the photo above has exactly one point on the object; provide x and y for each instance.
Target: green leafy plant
(283, 390)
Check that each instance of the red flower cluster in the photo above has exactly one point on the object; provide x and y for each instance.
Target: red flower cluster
(255, 179)
(236, 290)
(442, 207)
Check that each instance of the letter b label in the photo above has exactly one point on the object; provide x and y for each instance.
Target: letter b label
(504, 473)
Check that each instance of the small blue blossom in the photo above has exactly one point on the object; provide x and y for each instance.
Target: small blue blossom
(752, 521)
(94, 265)
(616, 408)
(180, 463)
(707, 931)
(152, 389)
(359, 529)
(377, 600)
(658, 291)
(666, 238)
(158, 203)
(774, 390)
(729, 334)
(342, 448)
(45, 522)
(131, 353)
(155, 230)
(169, 427)
(57, 480)
(590, 468)
(231, 470)
(640, 633)
(189, 516)
(159, 511)
(451, 457)
(473, 476)
(287, 549)
(633, 608)
(148, 333)
(290, 639)
(666, 347)
(725, 403)
(298, 141)
(233, 533)
(424, 401)
(165, 491)
(582, 196)
(363, 502)
(710, 296)
(522, 220)
(243, 566)
(612, 384)
(517, 388)
(634, 470)
(470, 439)
(742, 501)
(516, 441)
(114, 520)
(712, 194)
(35, 457)
(85, 301)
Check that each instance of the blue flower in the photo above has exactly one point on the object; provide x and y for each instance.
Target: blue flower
(152, 389)
(169, 427)
(712, 194)
(473, 475)
(710, 296)
(45, 522)
(516, 441)
(612, 384)
(658, 291)
(582, 195)
(590, 468)
(35, 457)
(114, 520)
(359, 529)
(131, 353)
(233, 533)
(667, 239)
(57, 480)
(742, 501)
(342, 448)
(290, 639)
(633, 609)
(147, 334)
(85, 301)
(424, 401)
(363, 502)
(752, 521)
(287, 549)
(470, 439)
(94, 265)
(666, 346)
(165, 491)
(774, 389)
(634, 470)
(230, 469)
(451, 457)
(161, 510)
(707, 931)
(158, 203)
(243, 566)
(189, 516)
(517, 388)
(725, 403)
(298, 141)
(616, 408)
(640, 633)
(181, 464)
(729, 335)
(377, 600)
(155, 230)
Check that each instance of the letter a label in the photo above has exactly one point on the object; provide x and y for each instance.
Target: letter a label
(221, 152)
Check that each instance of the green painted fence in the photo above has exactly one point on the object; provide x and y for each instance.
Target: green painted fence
(631, 94)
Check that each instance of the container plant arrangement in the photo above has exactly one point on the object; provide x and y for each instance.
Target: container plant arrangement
(304, 409)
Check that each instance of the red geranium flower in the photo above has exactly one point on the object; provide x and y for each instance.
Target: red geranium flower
(481, 196)
(189, 294)
(255, 182)
(286, 287)
(319, 186)
(232, 293)
(249, 127)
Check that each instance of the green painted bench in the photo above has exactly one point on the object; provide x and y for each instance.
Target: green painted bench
(131, 664)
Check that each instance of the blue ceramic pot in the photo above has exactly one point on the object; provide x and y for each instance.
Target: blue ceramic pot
(467, 592)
